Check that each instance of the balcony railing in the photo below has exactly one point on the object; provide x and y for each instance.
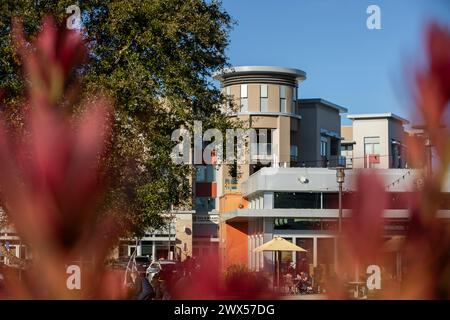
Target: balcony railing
(262, 151)
(231, 186)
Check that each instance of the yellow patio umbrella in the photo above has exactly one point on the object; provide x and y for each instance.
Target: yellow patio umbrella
(278, 244)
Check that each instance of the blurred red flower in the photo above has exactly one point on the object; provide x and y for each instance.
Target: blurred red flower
(50, 177)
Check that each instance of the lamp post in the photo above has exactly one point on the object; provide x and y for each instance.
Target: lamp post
(340, 178)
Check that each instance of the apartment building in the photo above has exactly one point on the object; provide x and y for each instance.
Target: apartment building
(320, 133)
(298, 199)
(375, 141)
(286, 186)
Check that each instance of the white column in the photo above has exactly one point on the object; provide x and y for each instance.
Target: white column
(294, 253)
(315, 251)
(268, 200)
(139, 249)
(153, 249)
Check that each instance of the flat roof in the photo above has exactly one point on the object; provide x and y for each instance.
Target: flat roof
(299, 75)
(377, 116)
(324, 102)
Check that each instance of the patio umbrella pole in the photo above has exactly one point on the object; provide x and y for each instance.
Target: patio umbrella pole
(278, 270)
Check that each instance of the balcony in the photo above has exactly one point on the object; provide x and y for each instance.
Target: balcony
(262, 151)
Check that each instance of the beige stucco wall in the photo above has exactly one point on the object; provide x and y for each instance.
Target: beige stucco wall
(184, 235)
(284, 144)
(347, 133)
(253, 93)
(274, 98)
(264, 122)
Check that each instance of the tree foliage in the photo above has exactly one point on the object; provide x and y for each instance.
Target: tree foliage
(155, 59)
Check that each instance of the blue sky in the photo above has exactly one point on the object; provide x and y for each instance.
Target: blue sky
(346, 63)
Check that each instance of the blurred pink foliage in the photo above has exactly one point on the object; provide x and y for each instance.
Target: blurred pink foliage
(426, 247)
(50, 174)
(210, 282)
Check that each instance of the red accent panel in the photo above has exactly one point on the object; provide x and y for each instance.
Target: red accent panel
(206, 189)
(374, 158)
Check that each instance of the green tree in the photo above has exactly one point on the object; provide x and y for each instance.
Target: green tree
(155, 59)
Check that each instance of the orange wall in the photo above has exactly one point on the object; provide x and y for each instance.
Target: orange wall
(234, 234)
(231, 202)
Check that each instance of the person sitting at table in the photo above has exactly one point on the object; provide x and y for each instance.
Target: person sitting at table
(289, 282)
(305, 283)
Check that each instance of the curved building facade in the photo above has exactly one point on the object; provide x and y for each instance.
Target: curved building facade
(266, 98)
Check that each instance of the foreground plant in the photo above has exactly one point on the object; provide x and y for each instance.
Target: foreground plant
(425, 249)
(51, 174)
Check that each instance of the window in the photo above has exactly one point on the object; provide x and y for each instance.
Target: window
(201, 174)
(323, 146)
(205, 204)
(228, 96)
(371, 151)
(325, 251)
(307, 244)
(396, 154)
(347, 152)
(297, 200)
(371, 145)
(294, 152)
(244, 98)
(334, 146)
(264, 98)
(286, 255)
(282, 98)
(211, 204)
(205, 173)
(305, 224)
(263, 143)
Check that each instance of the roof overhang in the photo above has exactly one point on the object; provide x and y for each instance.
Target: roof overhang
(369, 116)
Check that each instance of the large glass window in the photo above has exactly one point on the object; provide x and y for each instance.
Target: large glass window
(330, 200)
(304, 259)
(264, 95)
(286, 258)
(297, 200)
(282, 98)
(325, 251)
(305, 224)
(244, 98)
